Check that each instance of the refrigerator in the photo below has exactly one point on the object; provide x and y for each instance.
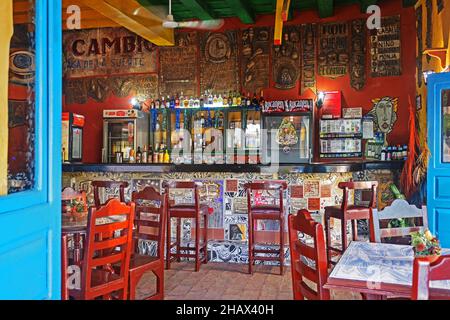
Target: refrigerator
(123, 131)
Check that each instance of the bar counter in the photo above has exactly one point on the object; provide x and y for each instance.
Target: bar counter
(323, 167)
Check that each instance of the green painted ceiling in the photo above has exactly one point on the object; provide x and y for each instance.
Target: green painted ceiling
(247, 10)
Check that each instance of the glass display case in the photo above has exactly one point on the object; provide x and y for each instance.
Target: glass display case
(288, 134)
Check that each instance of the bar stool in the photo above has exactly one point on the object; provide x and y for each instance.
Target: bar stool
(347, 212)
(108, 184)
(186, 211)
(258, 211)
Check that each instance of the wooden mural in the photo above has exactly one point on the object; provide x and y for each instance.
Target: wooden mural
(309, 40)
(385, 48)
(106, 51)
(178, 72)
(255, 64)
(358, 54)
(100, 88)
(286, 59)
(219, 67)
(334, 49)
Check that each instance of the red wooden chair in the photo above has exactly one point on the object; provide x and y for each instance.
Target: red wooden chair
(107, 245)
(108, 184)
(187, 211)
(348, 212)
(149, 204)
(304, 224)
(64, 266)
(424, 272)
(265, 212)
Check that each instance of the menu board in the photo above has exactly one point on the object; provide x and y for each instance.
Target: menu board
(106, 51)
(255, 59)
(333, 49)
(385, 48)
(177, 71)
(219, 70)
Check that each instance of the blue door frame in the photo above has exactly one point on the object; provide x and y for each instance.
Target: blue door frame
(30, 221)
(438, 177)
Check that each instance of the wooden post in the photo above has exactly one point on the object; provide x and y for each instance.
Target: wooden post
(6, 16)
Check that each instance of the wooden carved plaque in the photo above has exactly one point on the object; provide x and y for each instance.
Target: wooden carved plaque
(178, 66)
(255, 59)
(99, 89)
(419, 61)
(309, 38)
(106, 51)
(385, 48)
(358, 55)
(219, 62)
(286, 59)
(333, 49)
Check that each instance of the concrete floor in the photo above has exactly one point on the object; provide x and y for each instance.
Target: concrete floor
(226, 281)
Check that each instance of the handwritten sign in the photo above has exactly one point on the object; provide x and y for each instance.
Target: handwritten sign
(106, 51)
(385, 49)
(178, 70)
(333, 50)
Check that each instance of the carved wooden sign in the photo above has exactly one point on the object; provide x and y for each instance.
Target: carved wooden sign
(219, 70)
(358, 54)
(178, 68)
(308, 36)
(419, 61)
(106, 51)
(286, 59)
(80, 90)
(385, 48)
(255, 63)
(333, 49)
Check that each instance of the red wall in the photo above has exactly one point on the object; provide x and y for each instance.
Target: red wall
(401, 87)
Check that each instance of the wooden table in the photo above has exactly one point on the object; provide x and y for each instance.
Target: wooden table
(379, 269)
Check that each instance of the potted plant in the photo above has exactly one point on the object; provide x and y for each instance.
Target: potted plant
(79, 211)
(425, 246)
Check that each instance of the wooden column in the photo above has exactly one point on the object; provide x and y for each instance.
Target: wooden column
(6, 16)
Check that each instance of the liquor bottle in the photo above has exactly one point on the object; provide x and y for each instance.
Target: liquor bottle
(177, 101)
(155, 154)
(191, 102)
(144, 157)
(235, 99)
(150, 155)
(161, 153)
(394, 153)
(186, 102)
(254, 100)
(225, 100)
(139, 155)
(230, 99)
(202, 101)
(210, 99)
(261, 100)
(238, 99)
(132, 156)
(389, 154)
(152, 103)
(172, 103)
(383, 154)
(202, 121)
(196, 102)
(157, 103)
(405, 152)
(166, 156)
(248, 100)
(215, 101)
(163, 102)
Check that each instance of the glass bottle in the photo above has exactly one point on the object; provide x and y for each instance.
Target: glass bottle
(139, 155)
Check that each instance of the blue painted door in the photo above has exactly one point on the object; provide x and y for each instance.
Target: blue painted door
(438, 180)
(30, 225)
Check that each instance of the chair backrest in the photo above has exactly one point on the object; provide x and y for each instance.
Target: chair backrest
(192, 185)
(108, 184)
(399, 209)
(107, 245)
(424, 272)
(281, 186)
(304, 224)
(150, 204)
(359, 185)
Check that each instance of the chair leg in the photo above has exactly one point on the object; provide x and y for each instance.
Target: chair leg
(281, 246)
(169, 242)
(344, 234)
(355, 230)
(250, 246)
(178, 239)
(160, 283)
(205, 238)
(328, 236)
(197, 244)
(133, 280)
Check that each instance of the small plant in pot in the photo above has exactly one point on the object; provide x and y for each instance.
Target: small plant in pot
(425, 246)
(79, 211)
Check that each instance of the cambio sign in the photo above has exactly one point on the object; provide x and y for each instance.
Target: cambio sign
(74, 17)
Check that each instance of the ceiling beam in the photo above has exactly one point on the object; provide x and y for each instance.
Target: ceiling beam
(409, 3)
(242, 10)
(325, 7)
(278, 23)
(145, 23)
(199, 8)
(365, 4)
(286, 9)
